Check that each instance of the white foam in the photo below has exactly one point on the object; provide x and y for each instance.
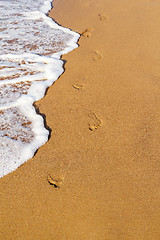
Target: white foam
(30, 49)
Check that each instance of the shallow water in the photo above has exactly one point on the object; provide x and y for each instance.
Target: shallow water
(30, 48)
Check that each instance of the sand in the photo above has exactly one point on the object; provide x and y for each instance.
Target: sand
(98, 177)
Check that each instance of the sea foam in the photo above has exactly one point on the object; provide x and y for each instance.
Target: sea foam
(31, 45)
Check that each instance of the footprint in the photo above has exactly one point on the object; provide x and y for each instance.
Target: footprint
(87, 33)
(56, 181)
(102, 17)
(94, 122)
(77, 86)
(97, 56)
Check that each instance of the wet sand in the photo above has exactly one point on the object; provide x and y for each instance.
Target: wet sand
(104, 112)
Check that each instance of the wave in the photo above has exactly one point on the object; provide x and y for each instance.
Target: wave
(31, 45)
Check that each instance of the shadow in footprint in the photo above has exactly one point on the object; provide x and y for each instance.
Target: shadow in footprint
(94, 122)
(102, 17)
(55, 181)
(97, 56)
(87, 33)
(77, 86)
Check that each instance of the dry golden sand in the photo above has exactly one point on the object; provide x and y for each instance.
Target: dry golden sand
(98, 177)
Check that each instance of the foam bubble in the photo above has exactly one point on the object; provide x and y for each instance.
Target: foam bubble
(30, 49)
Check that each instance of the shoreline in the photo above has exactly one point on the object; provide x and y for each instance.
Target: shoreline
(104, 146)
(59, 41)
